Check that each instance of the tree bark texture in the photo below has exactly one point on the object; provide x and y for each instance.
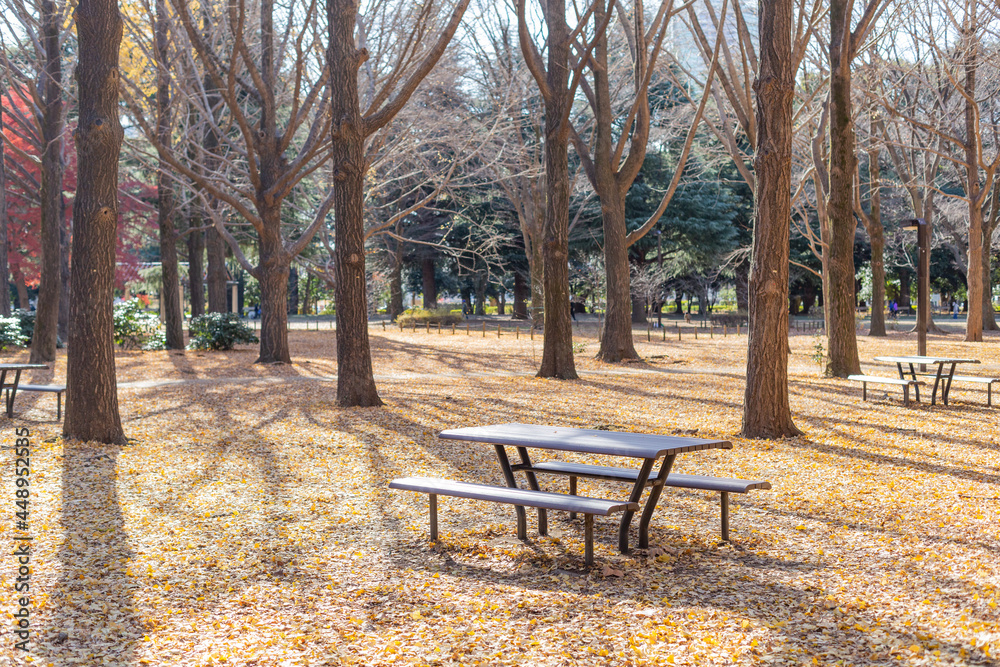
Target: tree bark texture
(974, 190)
(557, 348)
(989, 224)
(273, 271)
(355, 378)
(170, 298)
(842, 349)
(429, 283)
(43, 342)
(766, 412)
(215, 247)
(396, 282)
(4, 269)
(65, 289)
(520, 309)
(876, 235)
(196, 267)
(91, 387)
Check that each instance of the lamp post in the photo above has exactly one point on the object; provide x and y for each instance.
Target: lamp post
(923, 280)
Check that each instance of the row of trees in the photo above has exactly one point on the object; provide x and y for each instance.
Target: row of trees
(273, 139)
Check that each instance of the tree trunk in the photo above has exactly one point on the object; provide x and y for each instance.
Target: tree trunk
(975, 193)
(272, 273)
(742, 287)
(520, 307)
(502, 301)
(21, 289)
(355, 378)
(396, 283)
(292, 287)
(4, 269)
(616, 335)
(430, 286)
(989, 316)
(215, 246)
(842, 349)
(196, 253)
(766, 412)
(876, 235)
(557, 348)
(170, 298)
(481, 295)
(638, 312)
(91, 387)
(537, 276)
(65, 288)
(43, 342)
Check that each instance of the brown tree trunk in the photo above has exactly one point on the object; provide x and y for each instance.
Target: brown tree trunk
(272, 274)
(65, 289)
(215, 246)
(537, 279)
(974, 191)
(4, 269)
(637, 314)
(989, 316)
(766, 411)
(292, 286)
(91, 387)
(876, 235)
(355, 378)
(742, 286)
(842, 350)
(520, 307)
(430, 286)
(170, 299)
(196, 268)
(43, 342)
(481, 295)
(21, 289)
(396, 282)
(557, 348)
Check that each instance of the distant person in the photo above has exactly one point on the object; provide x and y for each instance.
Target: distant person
(893, 309)
(954, 309)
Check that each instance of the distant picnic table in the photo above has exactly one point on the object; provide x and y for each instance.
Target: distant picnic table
(941, 378)
(11, 387)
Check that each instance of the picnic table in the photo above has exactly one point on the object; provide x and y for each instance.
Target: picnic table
(646, 447)
(11, 387)
(941, 378)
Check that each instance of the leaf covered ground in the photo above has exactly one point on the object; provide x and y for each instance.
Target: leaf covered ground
(250, 523)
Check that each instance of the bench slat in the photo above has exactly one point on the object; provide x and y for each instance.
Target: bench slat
(57, 388)
(676, 480)
(512, 496)
(875, 379)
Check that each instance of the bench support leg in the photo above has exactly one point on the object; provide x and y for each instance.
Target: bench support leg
(724, 501)
(906, 395)
(864, 391)
(543, 519)
(508, 475)
(434, 517)
(654, 497)
(572, 492)
(989, 395)
(588, 536)
(58, 406)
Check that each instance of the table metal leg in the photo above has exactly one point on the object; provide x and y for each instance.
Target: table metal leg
(11, 392)
(913, 376)
(946, 387)
(543, 520)
(640, 484)
(654, 497)
(508, 476)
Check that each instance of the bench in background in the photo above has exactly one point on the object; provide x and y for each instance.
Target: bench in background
(518, 497)
(56, 389)
(865, 380)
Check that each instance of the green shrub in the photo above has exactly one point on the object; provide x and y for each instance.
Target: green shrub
(219, 331)
(26, 320)
(11, 334)
(421, 316)
(134, 327)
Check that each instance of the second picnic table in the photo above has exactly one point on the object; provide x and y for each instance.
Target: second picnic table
(11, 387)
(647, 447)
(940, 378)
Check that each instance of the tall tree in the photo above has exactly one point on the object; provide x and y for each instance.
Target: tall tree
(4, 269)
(766, 411)
(842, 347)
(351, 128)
(91, 387)
(53, 121)
(170, 302)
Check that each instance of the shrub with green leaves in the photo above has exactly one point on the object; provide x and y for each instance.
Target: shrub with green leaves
(11, 334)
(219, 331)
(26, 320)
(134, 327)
(421, 316)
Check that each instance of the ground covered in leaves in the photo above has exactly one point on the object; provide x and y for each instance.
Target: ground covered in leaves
(249, 522)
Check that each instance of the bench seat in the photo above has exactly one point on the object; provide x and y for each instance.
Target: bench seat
(518, 497)
(865, 380)
(56, 389)
(723, 485)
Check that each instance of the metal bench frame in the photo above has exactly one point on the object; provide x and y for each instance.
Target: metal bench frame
(520, 498)
(875, 379)
(723, 485)
(56, 389)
